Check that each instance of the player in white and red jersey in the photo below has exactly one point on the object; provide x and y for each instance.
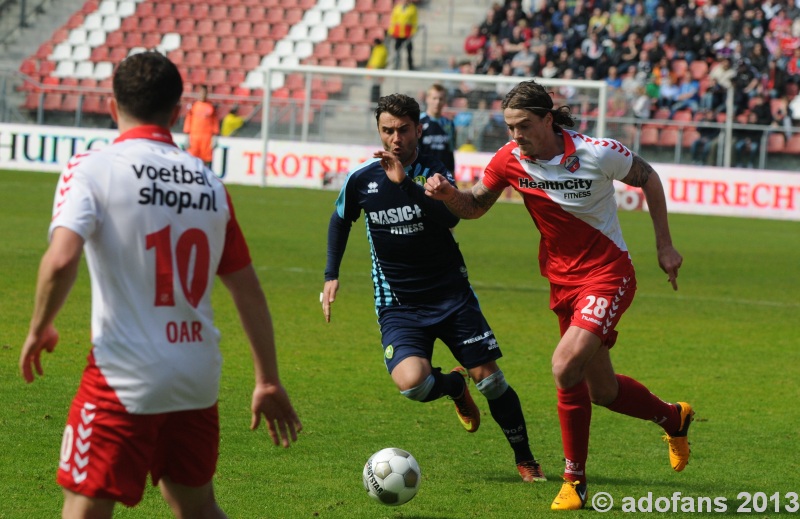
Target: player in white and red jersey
(156, 225)
(567, 184)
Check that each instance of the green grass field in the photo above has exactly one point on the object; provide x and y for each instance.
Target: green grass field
(727, 342)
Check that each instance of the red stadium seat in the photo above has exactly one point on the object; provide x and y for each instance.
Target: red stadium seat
(186, 27)
(204, 27)
(70, 103)
(351, 19)
(176, 56)
(217, 76)
(699, 69)
(236, 77)
(240, 12)
(223, 27)
(228, 44)
(776, 143)
(114, 39)
(361, 51)
(162, 9)
(168, 24)
(180, 11)
(53, 101)
(29, 67)
(338, 34)
(148, 24)
(213, 59)
(193, 58)
(208, 42)
(247, 45)
(133, 39)
(250, 61)
(263, 30)
(649, 135)
(370, 19)
(364, 5)
(218, 12)
(668, 136)
(275, 15)
(198, 76)
(356, 34)
(383, 6)
(793, 144)
(200, 11)
(244, 28)
(190, 42)
(264, 47)
(45, 49)
(151, 40)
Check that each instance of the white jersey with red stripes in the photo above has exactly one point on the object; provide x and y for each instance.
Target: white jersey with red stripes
(158, 225)
(571, 201)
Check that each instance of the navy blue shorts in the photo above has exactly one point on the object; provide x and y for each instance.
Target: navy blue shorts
(411, 330)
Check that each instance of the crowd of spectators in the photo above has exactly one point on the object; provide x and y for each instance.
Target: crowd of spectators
(659, 57)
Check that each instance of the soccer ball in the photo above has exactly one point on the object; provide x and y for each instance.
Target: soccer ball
(391, 476)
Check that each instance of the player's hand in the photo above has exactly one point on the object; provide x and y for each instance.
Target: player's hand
(272, 401)
(30, 357)
(391, 165)
(670, 261)
(438, 187)
(327, 297)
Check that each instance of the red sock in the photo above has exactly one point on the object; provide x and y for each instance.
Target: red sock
(575, 416)
(636, 400)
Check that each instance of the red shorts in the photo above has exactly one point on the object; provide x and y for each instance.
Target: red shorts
(107, 454)
(596, 307)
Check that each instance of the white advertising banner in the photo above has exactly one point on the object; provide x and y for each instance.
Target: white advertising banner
(689, 189)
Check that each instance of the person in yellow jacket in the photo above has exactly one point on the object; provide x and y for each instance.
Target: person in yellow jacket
(201, 125)
(378, 59)
(402, 27)
(231, 122)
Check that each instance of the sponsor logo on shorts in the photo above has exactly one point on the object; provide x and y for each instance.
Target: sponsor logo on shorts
(477, 338)
(389, 352)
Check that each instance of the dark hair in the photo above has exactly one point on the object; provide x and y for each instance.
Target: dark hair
(398, 105)
(147, 87)
(531, 96)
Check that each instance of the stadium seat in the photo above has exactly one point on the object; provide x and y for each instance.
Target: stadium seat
(236, 77)
(275, 15)
(338, 34)
(91, 22)
(649, 136)
(162, 9)
(264, 47)
(213, 59)
(357, 34)
(240, 12)
(668, 136)
(361, 51)
(69, 103)
(52, 101)
(318, 33)
(75, 21)
(186, 27)
(370, 19)
(365, 5)
(223, 28)
(126, 8)
(151, 40)
(227, 44)
(118, 54)
(114, 39)
(793, 144)
(383, 6)
(247, 45)
(180, 11)
(689, 136)
(208, 42)
(167, 24)
(776, 143)
(218, 12)
(262, 30)
(133, 39)
(698, 69)
(84, 69)
(200, 11)
(217, 76)
(96, 38)
(204, 27)
(351, 19)
(111, 23)
(345, 5)
(189, 42)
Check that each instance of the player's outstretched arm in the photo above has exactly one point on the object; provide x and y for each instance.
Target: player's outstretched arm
(469, 204)
(644, 176)
(57, 273)
(270, 399)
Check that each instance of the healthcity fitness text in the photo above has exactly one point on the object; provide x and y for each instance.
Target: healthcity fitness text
(745, 503)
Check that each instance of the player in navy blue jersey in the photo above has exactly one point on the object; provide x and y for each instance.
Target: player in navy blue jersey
(438, 132)
(422, 292)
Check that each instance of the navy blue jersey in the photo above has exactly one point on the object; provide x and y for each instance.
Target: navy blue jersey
(415, 258)
(438, 139)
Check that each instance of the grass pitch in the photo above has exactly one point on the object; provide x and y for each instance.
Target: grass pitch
(726, 341)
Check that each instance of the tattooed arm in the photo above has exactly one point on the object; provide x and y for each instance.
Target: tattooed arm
(644, 176)
(468, 204)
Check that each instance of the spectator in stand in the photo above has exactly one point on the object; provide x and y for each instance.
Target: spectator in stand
(661, 24)
(516, 43)
(707, 135)
(688, 96)
(438, 138)
(378, 60)
(577, 62)
(599, 20)
(580, 17)
(630, 51)
(746, 143)
(793, 65)
(747, 41)
(201, 125)
(491, 24)
(723, 74)
(403, 27)
(685, 45)
(549, 70)
(640, 23)
(700, 23)
(746, 83)
(727, 47)
(713, 99)
(667, 93)
(231, 122)
(612, 79)
(525, 63)
(619, 22)
(759, 58)
(475, 41)
(592, 47)
(630, 84)
(775, 79)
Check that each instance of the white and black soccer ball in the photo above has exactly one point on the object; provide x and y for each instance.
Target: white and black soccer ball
(391, 476)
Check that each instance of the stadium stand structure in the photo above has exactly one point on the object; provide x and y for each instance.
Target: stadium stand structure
(223, 45)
